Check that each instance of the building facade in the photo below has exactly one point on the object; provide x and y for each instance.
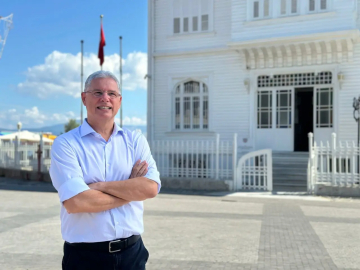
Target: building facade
(269, 70)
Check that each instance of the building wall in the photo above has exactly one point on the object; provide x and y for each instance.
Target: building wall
(206, 54)
(351, 88)
(342, 16)
(165, 39)
(228, 100)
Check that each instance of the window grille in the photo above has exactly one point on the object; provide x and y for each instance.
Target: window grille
(318, 5)
(191, 106)
(324, 107)
(261, 9)
(192, 16)
(264, 109)
(294, 6)
(295, 79)
(204, 22)
(283, 109)
(176, 25)
(323, 4)
(311, 5)
(288, 7)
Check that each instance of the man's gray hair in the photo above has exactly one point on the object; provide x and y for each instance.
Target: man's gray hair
(101, 74)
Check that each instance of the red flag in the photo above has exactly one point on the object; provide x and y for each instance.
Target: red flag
(101, 46)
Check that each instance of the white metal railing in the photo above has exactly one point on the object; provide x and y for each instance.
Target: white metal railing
(195, 158)
(254, 171)
(19, 155)
(332, 163)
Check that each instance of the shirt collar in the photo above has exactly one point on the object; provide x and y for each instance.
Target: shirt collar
(87, 129)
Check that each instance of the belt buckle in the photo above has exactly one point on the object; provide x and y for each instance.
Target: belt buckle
(112, 251)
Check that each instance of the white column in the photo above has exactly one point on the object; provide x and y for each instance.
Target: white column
(235, 161)
(42, 154)
(310, 185)
(333, 158)
(16, 153)
(217, 156)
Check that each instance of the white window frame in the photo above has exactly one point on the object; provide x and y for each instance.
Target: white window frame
(288, 8)
(202, 96)
(264, 110)
(318, 5)
(324, 108)
(190, 17)
(251, 4)
(284, 109)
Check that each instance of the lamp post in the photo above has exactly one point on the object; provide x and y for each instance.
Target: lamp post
(17, 142)
(19, 126)
(356, 105)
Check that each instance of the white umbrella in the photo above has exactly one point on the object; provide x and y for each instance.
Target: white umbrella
(24, 136)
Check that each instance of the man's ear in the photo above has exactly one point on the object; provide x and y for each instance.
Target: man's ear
(83, 98)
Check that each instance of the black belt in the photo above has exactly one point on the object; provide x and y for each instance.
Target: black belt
(109, 246)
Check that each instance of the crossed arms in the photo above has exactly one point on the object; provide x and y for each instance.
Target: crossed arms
(78, 197)
(103, 196)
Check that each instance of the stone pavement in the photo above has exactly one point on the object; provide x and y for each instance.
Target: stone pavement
(226, 231)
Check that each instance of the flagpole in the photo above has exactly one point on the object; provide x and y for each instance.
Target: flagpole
(121, 92)
(82, 78)
(101, 19)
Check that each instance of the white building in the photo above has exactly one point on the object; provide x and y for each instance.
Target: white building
(269, 70)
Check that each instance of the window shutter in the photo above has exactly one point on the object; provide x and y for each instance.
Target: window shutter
(204, 22)
(283, 7)
(176, 25)
(177, 16)
(195, 24)
(205, 11)
(266, 8)
(195, 12)
(205, 7)
(294, 5)
(323, 4)
(185, 15)
(256, 9)
(311, 5)
(186, 25)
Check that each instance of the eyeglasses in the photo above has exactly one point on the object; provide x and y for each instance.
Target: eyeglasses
(98, 94)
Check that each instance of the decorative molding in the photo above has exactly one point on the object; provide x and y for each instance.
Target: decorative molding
(300, 54)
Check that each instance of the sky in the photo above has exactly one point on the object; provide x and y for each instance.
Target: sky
(41, 62)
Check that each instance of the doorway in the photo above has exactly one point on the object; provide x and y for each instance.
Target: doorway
(304, 117)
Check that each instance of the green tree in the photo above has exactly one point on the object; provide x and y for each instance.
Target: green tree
(71, 125)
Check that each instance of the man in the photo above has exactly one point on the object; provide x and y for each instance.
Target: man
(101, 183)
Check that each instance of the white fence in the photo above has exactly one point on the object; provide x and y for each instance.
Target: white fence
(254, 171)
(212, 159)
(332, 163)
(19, 155)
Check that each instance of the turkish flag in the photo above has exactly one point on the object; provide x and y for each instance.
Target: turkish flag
(101, 46)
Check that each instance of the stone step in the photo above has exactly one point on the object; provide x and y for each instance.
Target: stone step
(290, 177)
(290, 161)
(289, 182)
(289, 188)
(286, 153)
(289, 171)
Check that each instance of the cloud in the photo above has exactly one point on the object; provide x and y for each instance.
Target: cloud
(35, 118)
(134, 121)
(60, 73)
(32, 118)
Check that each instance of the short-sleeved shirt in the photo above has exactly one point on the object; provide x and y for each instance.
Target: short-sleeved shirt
(81, 157)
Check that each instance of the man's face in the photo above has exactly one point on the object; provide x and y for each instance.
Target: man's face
(104, 107)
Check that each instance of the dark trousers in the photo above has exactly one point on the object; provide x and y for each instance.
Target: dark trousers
(132, 258)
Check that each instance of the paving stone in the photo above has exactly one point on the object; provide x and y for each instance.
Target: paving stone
(196, 231)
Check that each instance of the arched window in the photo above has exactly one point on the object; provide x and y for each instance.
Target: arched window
(191, 106)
